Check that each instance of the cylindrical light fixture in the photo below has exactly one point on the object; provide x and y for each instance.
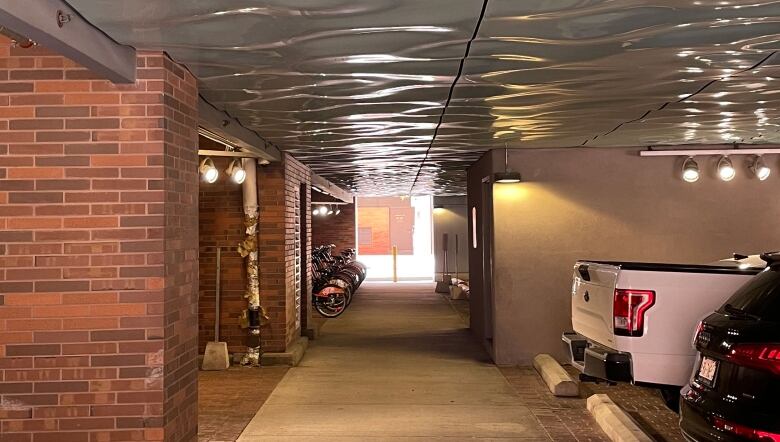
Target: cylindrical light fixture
(690, 172)
(208, 171)
(236, 171)
(508, 175)
(760, 169)
(726, 170)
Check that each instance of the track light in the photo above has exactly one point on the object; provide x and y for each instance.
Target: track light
(208, 171)
(726, 170)
(338, 210)
(759, 169)
(236, 171)
(323, 210)
(330, 210)
(690, 171)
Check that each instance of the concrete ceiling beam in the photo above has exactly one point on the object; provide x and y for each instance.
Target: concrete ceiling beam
(56, 26)
(228, 130)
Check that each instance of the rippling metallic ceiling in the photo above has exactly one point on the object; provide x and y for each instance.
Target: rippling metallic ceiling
(356, 88)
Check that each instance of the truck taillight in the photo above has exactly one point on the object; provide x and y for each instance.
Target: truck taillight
(759, 356)
(629, 311)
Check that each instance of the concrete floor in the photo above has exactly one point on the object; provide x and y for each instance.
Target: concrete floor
(398, 365)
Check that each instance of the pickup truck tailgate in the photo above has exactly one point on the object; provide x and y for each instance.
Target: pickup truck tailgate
(593, 294)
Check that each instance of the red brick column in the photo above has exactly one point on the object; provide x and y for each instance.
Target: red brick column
(278, 186)
(98, 251)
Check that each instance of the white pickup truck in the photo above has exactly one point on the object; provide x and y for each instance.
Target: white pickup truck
(634, 322)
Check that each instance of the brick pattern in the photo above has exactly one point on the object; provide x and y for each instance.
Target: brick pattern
(180, 164)
(226, 405)
(97, 257)
(278, 185)
(335, 229)
(297, 174)
(221, 216)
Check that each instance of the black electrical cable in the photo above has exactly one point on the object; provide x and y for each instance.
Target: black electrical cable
(698, 91)
(452, 91)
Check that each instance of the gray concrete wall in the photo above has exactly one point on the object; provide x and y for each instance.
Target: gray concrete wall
(608, 204)
(449, 216)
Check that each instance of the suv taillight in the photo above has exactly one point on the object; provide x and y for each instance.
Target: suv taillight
(759, 356)
(629, 311)
(743, 431)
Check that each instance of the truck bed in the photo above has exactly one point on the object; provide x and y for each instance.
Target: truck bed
(660, 348)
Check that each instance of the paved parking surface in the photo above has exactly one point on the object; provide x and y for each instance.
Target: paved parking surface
(402, 366)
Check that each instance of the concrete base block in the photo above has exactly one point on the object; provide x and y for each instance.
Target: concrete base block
(456, 292)
(291, 357)
(558, 381)
(216, 356)
(618, 425)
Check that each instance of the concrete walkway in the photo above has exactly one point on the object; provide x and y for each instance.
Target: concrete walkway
(398, 365)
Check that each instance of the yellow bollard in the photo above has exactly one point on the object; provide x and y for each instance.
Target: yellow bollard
(395, 263)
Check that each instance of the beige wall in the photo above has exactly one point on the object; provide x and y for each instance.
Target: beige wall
(449, 216)
(608, 204)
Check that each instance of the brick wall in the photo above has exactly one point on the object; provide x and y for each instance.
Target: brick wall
(335, 229)
(221, 225)
(278, 186)
(298, 313)
(97, 251)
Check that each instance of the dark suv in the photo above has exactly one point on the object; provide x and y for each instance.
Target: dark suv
(734, 392)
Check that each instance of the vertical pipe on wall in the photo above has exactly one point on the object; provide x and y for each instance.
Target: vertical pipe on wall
(248, 250)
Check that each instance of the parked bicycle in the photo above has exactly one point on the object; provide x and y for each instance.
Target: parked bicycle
(335, 279)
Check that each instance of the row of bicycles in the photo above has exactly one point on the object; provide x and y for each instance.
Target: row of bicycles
(335, 279)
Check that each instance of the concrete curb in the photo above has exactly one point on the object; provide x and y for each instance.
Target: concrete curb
(558, 381)
(618, 425)
(291, 357)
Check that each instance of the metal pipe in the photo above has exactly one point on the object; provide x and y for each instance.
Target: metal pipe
(395, 263)
(216, 301)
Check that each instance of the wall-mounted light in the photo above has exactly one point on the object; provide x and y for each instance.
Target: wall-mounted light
(236, 171)
(208, 171)
(760, 169)
(726, 170)
(690, 172)
(508, 175)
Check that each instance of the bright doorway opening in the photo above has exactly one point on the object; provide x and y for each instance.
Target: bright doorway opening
(405, 223)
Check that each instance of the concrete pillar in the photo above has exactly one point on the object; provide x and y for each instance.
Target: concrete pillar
(98, 251)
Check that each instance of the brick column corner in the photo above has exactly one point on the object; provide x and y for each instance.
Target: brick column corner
(98, 251)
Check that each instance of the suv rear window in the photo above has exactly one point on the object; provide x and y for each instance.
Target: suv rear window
(760, 296)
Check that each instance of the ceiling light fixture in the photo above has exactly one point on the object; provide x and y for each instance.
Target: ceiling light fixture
(760, 169)
(508, 175)
(236, 171)
(208, 171)
(726, 170)
(690, 171)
